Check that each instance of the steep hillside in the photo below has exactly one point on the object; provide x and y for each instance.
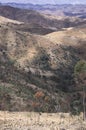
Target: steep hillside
(37, 70)
(23, 73)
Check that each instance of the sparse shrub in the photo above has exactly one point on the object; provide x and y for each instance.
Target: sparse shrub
(11, 62)
(42, 59)
(75, 107)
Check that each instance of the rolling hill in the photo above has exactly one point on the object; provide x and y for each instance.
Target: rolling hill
(45, 23)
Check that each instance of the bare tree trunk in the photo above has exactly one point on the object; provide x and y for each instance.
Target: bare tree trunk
(84, 116)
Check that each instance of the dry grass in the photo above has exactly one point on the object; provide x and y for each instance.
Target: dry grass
(43, 121)
(70, 36)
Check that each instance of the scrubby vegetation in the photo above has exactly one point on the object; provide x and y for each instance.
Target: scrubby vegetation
(40, 72)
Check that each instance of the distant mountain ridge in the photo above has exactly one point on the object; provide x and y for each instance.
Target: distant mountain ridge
(66, 9)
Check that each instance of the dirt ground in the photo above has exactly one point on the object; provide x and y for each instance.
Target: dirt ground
(40, 121)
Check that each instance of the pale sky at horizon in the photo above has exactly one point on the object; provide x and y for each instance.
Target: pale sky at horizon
(45, 1)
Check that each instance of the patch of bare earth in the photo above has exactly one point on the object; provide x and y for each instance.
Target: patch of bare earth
(42, 121)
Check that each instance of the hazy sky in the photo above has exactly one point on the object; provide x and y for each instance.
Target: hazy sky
(46, 1)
